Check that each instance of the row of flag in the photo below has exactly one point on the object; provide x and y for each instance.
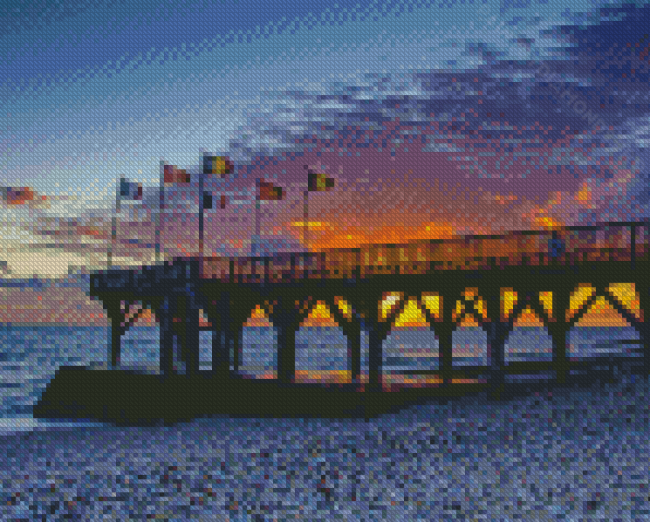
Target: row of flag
(172, 175)
(221, 165)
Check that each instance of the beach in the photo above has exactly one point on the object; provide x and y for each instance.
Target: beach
(535, 457)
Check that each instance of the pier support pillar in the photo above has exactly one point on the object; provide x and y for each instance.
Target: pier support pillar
(286, 349)
(192, 335)
(353, 333)
(116, 341)
(497, 332)
(116, 316)
(236, 314)
(351, 328)
(444, 332)
(234, 344)
(220, 348)
(559, 329)
(644, 324)
(377, 333)
(165, 314)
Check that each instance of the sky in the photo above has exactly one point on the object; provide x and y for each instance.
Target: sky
(434, 118)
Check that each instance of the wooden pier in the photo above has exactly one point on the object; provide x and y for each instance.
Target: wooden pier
(484, 281)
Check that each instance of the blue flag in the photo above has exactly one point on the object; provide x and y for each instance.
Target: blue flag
(130, 191)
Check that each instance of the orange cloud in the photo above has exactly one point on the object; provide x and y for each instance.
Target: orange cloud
(584, 196)
(356, 236)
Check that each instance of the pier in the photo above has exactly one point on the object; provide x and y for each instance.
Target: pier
(486, 281)
(559, 279)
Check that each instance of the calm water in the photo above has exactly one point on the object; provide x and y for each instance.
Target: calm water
(578, 455)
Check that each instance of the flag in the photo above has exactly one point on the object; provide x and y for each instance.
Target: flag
(17, 195)
(24, 196)
(172, 174)
(268, 191)
(130, 191)
(220, 165)
(320, 182)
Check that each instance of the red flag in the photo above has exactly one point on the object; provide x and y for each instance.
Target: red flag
(18, 195)
(268, 191)
(175, 175)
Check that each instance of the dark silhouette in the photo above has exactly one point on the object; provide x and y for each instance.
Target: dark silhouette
(288, 286)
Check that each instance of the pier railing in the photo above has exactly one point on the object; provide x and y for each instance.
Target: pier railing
(619, 241)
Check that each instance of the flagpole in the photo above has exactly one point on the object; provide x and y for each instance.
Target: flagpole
(257, 220)
(114, 226)
(161, 205)
(201, 217)
(305, 237)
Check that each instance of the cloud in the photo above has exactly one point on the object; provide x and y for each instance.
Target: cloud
(554, 109)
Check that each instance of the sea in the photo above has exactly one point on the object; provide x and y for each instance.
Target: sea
(575, 454)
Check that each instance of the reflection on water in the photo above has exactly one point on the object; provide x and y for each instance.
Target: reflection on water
(324, 350)
(528, 344)
(602, 341)
(321, 355)
(141, 350)
(407, 350)
(29, 357)
(469, 347)
(259, 357)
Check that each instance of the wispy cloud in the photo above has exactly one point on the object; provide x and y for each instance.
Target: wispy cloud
(537, 112)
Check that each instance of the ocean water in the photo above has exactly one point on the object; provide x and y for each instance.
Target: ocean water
(580, 454)
(30, 356)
